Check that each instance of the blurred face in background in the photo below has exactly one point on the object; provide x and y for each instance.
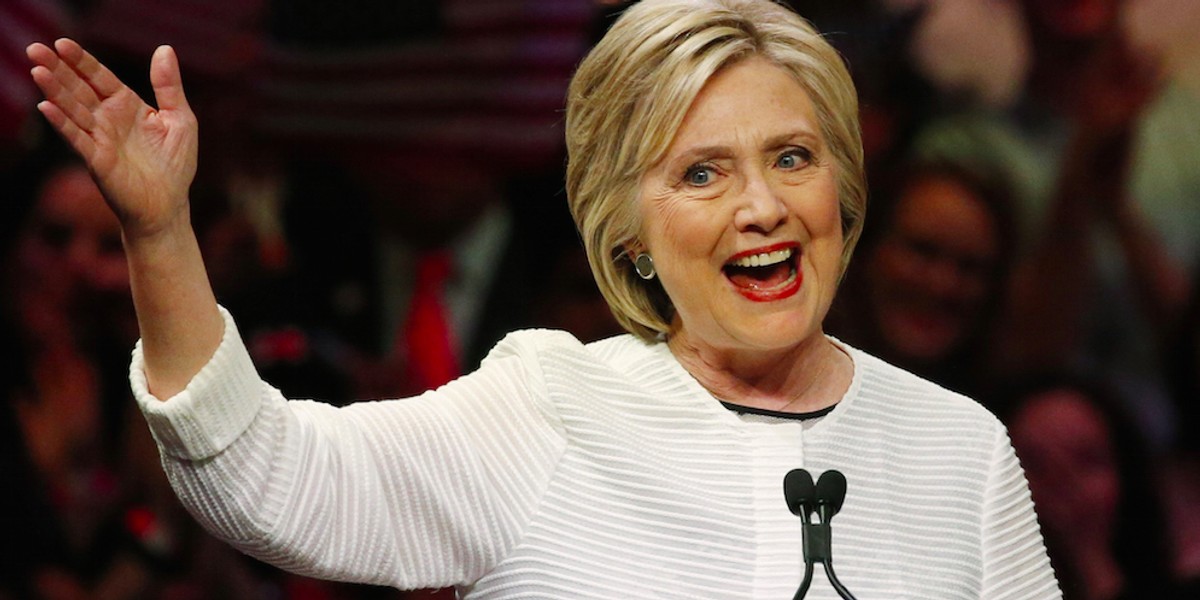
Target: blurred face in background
(933, 270)
(1067, 451)
(69, 251)
(69, 276)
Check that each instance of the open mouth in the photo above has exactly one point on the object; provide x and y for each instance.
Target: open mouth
(766, 273)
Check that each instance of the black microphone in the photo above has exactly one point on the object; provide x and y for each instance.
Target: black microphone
(801, 496)
(831, 494)
(825, 499)
(799, 492)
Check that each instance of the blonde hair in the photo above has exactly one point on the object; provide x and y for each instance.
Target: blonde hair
(629, 97)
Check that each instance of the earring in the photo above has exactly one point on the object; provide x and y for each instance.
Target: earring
(644, 265)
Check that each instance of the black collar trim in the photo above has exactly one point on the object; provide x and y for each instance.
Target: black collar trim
(804, 416)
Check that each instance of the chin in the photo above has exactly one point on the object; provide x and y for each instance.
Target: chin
(779, 332)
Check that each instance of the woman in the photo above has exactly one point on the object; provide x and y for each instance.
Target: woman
(715, 175)
(932, 270)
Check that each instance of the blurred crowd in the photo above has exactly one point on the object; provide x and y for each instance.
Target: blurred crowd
(380, 175)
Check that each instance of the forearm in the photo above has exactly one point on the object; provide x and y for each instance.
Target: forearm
(177, 312)
(1162, 285)
(1040, 320)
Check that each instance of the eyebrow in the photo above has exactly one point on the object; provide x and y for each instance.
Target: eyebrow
(771, 143)
(785, 139)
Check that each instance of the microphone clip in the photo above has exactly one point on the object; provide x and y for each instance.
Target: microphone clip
(818, 543)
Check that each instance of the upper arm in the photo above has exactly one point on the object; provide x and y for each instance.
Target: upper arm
(423, 492)
(1015, 564)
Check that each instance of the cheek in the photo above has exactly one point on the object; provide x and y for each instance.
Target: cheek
(111, 274)
(821, 214)
(824, 213)
(894, 271)
(679, 229)
(35, 255)
(1101, 489)
(889, 263)
(974, 290)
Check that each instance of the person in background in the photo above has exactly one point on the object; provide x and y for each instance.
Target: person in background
(62, 406)
(1099, 149)
(933, 270)
(1094, 485)
(716, 177)
(86, 512)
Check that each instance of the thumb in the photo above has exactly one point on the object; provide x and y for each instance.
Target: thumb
(166, 80)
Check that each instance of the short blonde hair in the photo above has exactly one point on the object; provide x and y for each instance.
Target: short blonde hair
(630, 95)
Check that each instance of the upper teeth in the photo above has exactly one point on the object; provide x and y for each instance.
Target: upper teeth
(764, 258)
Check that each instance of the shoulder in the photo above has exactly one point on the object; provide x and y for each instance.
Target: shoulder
(621, 371)
(894, 395)
(548, 350)
(1167, 122)
(912, 432)
(991, 138)
(959, 131)
(553, 344)
(1177, 96)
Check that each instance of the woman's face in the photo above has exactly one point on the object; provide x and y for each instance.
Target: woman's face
(741, 216)
(73, 242)
(1067, 453)
(932, 272)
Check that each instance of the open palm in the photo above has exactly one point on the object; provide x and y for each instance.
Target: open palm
(143, 158)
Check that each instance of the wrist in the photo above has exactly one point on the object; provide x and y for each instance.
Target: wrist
(170, 233)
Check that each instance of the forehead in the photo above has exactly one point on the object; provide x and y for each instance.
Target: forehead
(942, 207)
(747, 99)
(70, 195)
(1066, 412)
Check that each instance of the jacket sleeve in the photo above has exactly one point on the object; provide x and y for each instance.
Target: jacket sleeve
(1015, 564)
(423, 492)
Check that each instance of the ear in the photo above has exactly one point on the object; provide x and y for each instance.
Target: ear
(632, 248)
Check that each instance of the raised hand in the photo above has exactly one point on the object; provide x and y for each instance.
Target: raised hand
(143, 158)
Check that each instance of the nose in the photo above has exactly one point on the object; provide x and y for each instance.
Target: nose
(760, 208)
(951, 278)
(80, 255)
(943, 275)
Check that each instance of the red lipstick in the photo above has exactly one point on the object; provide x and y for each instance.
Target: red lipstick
(766, 283)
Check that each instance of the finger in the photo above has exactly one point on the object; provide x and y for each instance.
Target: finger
(76, 137)
(167, 80)
(67, 78)
(73, 80)
(41, 54)
(62, 98)
(98, 77)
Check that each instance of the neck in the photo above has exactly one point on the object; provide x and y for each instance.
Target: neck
(808, 377)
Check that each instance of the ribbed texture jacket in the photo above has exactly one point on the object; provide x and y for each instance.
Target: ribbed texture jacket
(573, 471)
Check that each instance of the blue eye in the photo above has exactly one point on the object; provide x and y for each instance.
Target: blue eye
(792, 159)
(699, 176)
